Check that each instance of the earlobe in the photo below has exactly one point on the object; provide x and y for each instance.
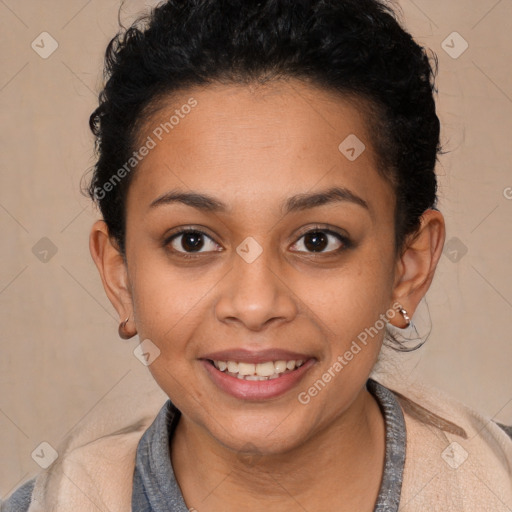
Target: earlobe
(114, 276)
(417, 264)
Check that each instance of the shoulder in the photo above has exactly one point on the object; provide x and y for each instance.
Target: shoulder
(99, 454)
(449, 420)
(456, 458)
(435, 408)
(19, 500)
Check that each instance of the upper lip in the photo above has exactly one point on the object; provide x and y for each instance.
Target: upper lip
(259, 356)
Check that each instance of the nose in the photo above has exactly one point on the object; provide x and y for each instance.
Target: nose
(254, 295)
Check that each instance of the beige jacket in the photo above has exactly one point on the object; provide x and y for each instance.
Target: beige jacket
(456, 459)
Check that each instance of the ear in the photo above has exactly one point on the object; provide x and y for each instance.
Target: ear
(417, 263)
(112, 269)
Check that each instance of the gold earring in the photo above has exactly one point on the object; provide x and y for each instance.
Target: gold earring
(123, 332)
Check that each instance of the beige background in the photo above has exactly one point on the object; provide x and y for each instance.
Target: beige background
(61, 356)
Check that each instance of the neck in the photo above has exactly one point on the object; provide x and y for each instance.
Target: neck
(339, 468)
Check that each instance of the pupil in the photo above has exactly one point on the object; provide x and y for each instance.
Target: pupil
(318, 241)
(192, 240)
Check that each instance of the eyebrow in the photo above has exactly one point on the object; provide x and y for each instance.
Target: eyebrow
(295, 203)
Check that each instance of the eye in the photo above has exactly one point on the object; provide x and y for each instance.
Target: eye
(189, 241)
(318, 239)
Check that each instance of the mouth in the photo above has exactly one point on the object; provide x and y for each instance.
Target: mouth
(267, 370)
(256, 376)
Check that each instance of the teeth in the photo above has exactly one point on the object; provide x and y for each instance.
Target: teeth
(280, 366)
(246, 369)
(261, 371)
(253, 377)
(265, 369)
(232, 367)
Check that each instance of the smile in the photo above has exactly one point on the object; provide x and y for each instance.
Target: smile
(261, 371)
(264, 378)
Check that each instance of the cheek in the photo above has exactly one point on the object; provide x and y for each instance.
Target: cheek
(168, 301)
(350, 298)
(169, 308)
(351, 310)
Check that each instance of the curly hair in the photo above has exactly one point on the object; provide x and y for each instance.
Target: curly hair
(354, 47)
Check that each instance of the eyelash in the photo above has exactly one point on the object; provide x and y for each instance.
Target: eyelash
(346, 242)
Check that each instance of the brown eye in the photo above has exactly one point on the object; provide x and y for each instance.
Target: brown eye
(318, 240)
(191, 241)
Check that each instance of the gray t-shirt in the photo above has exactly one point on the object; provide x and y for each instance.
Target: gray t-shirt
(155, 488)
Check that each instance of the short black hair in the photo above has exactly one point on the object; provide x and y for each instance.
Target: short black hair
(355, 47)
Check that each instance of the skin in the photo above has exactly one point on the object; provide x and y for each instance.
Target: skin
(253, 147)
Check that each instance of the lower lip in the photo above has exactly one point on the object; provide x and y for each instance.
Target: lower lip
(256, 389)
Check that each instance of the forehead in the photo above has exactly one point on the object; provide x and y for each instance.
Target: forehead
(259, 141)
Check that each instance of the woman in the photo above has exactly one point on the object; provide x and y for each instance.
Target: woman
(266, 180)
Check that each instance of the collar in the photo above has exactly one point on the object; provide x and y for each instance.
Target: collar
(155, 488)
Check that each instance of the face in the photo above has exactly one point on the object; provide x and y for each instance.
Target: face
(273, 271)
